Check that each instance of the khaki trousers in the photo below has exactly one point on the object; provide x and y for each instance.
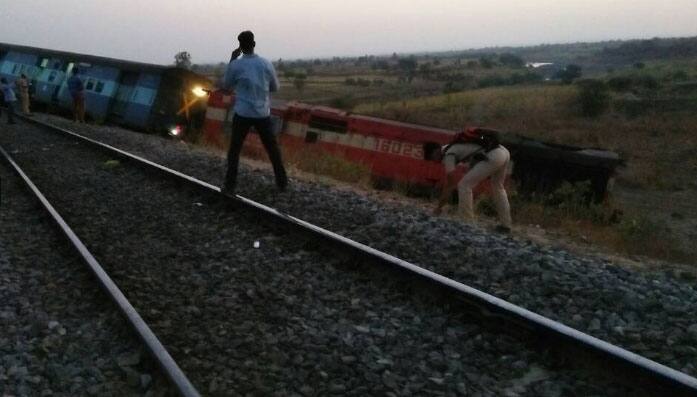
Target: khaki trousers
(25, 103)
(495, 167)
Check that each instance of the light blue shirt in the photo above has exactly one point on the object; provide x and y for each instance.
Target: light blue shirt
(8, 92)
(253, 78)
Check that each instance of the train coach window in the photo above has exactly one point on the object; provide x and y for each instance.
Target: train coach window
(14, 69)
(44, 62)
(90, 84)
(100, 87)
(311, 137)
(328, 124)
(430, 150)
(51, 77)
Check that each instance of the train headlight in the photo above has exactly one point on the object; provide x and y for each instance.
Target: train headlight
(176, 130)
(199, 91)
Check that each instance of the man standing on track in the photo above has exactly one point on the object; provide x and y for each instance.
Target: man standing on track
(9, 94)
(252, 78)
(77, 92)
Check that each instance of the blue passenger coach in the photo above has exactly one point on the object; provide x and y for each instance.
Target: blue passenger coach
(144, 96)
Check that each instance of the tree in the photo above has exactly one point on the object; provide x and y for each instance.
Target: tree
(569, 73)
(408, 65)
(182, 60)
(511, 60)
(486, 62)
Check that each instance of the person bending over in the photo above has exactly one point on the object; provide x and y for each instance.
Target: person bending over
(488, 159)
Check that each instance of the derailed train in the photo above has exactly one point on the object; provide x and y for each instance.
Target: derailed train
(168, 99)
(138, 95)
(401, 152)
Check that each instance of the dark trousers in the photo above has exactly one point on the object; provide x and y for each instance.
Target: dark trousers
(240, 128)
(10, 111)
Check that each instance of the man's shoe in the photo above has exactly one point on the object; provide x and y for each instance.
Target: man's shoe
(228, 191)
(502, 229)
(283, 186)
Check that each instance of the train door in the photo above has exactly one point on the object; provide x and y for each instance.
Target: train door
(127, 82)
(57, 77)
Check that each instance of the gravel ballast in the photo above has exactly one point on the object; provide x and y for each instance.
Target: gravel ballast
(280, 319)
(651, 313)
(59, 334)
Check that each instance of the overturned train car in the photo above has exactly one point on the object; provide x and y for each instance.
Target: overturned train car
(137, 95)
(401, 152)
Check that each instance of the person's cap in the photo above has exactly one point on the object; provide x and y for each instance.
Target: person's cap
(470, 132)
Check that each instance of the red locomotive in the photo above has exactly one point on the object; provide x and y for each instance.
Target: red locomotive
(400, 152)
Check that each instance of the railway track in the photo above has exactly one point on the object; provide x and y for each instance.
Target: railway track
(657, 378)
(60, 335)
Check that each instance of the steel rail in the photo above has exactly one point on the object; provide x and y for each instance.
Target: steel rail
(629, 368)
(154, 346)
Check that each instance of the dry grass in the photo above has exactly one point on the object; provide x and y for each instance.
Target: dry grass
(634, 235)
(320, 163)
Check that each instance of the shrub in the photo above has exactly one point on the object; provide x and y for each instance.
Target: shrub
(486, 62)
(299, 81)
(620, 84)
(575, 200)
(569, 74)
(649, 82)
(636, 230)
(346, 102)
(511, 60)
(493, 80)
(679, 75)
(453, 86)
(594, 97)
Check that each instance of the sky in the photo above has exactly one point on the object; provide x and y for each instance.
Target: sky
(154, 30)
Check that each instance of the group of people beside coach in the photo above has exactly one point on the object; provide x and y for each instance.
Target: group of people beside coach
(22, 88)
(9, 97)
(253, 78)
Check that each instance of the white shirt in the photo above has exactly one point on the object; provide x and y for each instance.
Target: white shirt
(457, 152)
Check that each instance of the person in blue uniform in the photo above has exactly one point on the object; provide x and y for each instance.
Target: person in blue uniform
(77, 92)
(252, 78)
(10, 98)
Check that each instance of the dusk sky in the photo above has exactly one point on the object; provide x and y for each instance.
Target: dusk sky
(154, 30)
